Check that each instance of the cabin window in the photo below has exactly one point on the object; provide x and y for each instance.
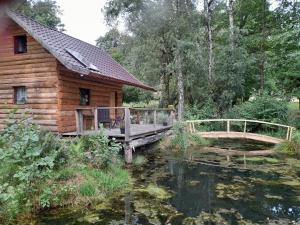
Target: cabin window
(84, 96)
(20, 44)
(20, 95)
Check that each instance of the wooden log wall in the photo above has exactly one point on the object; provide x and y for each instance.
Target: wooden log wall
(36, 70)
(52, 90)
(69, 96)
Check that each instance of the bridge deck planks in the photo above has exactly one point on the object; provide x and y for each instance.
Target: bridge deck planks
(252, 136)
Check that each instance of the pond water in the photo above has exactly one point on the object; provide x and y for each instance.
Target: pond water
(200, 188)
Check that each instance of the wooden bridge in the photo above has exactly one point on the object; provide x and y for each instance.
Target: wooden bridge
(240, 128)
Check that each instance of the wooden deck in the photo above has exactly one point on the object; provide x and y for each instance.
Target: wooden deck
(136, 131)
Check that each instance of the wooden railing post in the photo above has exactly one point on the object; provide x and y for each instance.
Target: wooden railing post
(96, 119)
(228, 125)
(154, 118)
(245, 126)
(288, 133)
(79, 121)
(127, 124)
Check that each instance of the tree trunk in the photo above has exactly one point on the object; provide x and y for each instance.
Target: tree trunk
(231, 24)
(207, 12)
(180, 85)
(262, 49)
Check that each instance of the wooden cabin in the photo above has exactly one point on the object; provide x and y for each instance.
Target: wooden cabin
(51, 74)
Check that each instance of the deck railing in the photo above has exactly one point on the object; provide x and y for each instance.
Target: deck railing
(240, 125)
(89, 118)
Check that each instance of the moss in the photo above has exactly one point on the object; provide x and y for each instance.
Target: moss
(232, 191)
(258, 160)
(156, 191)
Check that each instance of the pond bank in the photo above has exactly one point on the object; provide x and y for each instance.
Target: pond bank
(170, 189)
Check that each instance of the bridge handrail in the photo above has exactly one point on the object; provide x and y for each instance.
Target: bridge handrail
(238, 120)
(192, 124)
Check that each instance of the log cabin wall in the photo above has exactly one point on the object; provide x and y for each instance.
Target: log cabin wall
(36, 70)
(70, 84)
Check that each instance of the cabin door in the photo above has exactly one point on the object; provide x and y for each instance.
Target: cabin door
(113, 102)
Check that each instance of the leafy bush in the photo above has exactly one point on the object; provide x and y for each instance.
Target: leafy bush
(41, 170)
(290, 147)
(266, 108)
(101, 151)
(28, 156)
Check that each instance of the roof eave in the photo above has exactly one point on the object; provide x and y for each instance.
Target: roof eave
(103, 77)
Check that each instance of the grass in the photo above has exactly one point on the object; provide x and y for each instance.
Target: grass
(87, 189)
(293, 106)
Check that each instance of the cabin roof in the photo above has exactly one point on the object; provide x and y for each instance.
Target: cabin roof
(61, 46)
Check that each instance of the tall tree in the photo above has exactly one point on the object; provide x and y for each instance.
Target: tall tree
(46, 12)
(208, 15)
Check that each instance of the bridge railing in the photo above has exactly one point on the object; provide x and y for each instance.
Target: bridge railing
(240, 125)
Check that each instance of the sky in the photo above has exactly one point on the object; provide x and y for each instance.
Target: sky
(83, 19)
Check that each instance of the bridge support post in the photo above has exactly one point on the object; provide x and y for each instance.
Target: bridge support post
(245, 127)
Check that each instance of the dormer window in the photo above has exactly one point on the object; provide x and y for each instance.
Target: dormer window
(20, 44)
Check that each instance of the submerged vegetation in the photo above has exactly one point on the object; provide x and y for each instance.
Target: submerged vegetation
(40, 170)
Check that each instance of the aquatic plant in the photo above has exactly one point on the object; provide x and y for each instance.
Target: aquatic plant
(182, 140)
(291, 147)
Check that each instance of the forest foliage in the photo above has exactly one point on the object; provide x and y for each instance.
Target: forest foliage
(230, 50)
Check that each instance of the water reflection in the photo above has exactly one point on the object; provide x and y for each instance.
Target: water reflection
(204, 189)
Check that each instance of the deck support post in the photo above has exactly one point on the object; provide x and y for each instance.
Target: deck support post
(127, 153)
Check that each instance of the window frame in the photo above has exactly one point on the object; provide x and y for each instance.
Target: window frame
(16, 89)
(88, 92)
(18, 39)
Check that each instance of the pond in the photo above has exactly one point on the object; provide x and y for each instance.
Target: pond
(200, 188)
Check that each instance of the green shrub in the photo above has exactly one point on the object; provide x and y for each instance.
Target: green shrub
(266, 108)
(28, 156)
(181, 138)
(290, 147)
(100, 149)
